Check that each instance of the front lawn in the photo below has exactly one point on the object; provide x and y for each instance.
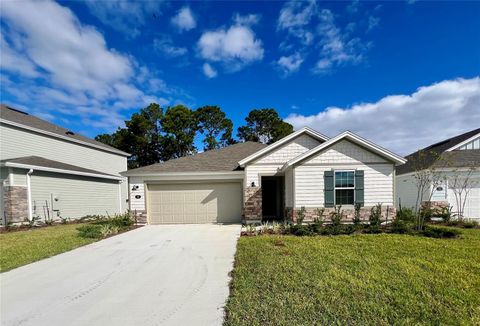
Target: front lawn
(361, 279)
(23, 247)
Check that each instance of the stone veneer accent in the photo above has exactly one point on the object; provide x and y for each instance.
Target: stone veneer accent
(437, 207)
(15, 199)
(253, 203)
(311, 213)
(140, 216)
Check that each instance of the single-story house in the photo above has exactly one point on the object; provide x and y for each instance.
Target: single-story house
(49, 171)
(252, 182)
(454, 161)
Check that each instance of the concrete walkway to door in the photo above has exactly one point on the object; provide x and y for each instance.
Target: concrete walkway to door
(155, 275)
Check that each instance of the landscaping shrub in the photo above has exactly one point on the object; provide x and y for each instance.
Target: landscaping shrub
(301, 230)
(470, 224)
(401, 226)
(356, 217)
(375, 219)
(440, 232)
(405, 214)
(90, 231)
(301, 215)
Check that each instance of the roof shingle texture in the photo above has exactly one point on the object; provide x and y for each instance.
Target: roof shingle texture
(436, 155)
(23, 118)
(218, 160)
(43, 162)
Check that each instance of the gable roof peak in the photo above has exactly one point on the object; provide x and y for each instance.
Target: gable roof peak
(304, 130)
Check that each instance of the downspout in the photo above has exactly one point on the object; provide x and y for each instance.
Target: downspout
(29, 195)
(120, 197)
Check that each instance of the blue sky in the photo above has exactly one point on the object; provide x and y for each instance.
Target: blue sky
(404, 74)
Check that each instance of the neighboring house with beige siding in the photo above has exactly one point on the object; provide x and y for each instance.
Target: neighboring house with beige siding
(48, 170)
(251, 182)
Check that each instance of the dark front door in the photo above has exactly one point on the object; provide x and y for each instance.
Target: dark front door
(272, 198)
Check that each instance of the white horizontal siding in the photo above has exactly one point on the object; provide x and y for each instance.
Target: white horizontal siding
(16, 142)
(78, 196)
(254, 172)
(345, 155)
(289, 188)
(309, 184)
(137, 204)
(292, 149)
(346, 152)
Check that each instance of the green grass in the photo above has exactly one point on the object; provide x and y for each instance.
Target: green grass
(384, 279)
(24, 247)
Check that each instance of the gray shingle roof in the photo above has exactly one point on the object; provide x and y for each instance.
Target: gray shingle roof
(219, 160)
(23, 118)
(436, 155)
(43, 162)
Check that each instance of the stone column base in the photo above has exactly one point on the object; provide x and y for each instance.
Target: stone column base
(15, 200)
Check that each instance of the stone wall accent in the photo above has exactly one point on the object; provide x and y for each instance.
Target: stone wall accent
(140, 216)
(311, 213)
(435, 205)
(253, 203)
(15, 199)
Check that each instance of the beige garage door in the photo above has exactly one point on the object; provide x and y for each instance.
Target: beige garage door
(194, 203)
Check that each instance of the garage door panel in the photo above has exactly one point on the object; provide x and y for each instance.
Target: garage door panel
(194, 203)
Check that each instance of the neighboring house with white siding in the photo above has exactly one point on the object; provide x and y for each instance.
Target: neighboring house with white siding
(47, 170)
(252, 182)
(453, 159)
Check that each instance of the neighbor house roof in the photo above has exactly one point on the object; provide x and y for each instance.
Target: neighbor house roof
(303, 131)
(218, 160)
(372, 147)
(43, 164)
(18, 118)
(443, 154)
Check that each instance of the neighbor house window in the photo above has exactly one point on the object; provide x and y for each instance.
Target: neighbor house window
(344, 187)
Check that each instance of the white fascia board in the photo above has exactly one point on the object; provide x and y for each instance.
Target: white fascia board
(73, 140)
(354, 138)
(305, 130)
(47, 169)
(466, 141)
(185, 176)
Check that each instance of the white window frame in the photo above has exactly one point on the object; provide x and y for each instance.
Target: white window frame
(342, 188)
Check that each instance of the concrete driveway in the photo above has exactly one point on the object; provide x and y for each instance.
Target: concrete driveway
(155, 275)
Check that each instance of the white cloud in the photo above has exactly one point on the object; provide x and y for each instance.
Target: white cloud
(295, 16)
(165, 46)
(124, 16)
(184, 19)
(209, 71)
(336, 47)
(64, 65)
(290, 64)
(405, 123)
(235, 47)
(372, 22)
(250, 19)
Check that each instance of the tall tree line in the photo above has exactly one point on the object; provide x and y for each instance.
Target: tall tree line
(156, 134)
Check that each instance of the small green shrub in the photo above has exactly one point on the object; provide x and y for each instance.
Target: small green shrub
(375, 219)
(401, 226)
(405, 214)
(356, 217)
(301, 215)
(440, 232)
(301, 230)
(90, 231)
(470, 224)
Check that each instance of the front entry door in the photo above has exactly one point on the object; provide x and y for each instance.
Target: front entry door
(272, 198)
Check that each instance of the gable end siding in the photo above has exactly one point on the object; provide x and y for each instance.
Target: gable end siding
(292, 149)
(378, 175)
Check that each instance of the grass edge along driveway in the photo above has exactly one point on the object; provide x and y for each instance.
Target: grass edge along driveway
(23, 247)
(356, 280)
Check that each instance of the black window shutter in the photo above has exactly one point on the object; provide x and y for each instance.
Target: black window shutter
(329, 188)
(359, 187)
